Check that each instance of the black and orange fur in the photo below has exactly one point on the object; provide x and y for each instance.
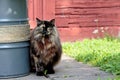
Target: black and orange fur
(45, 47)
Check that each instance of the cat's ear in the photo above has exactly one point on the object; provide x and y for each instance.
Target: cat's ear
(52, 21)
(38, 21)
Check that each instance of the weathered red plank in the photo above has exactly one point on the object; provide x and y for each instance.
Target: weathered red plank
(31, 9)
(48, 9)
(74, 34)
(62, 21)
(87, 3)
(31, 12)
(94, 19)
(99, 24)
(34, 10)
(94, 0)
(63, 3)
(65, 11)
(95, 16)
(96, 4)
(95, 11)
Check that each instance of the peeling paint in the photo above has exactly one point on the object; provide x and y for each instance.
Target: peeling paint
(95, 31)
(119, 34)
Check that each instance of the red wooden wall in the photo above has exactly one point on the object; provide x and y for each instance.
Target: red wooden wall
(43, 9)
(79, 19)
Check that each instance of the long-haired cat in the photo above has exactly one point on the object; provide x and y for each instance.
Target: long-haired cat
(45, 47)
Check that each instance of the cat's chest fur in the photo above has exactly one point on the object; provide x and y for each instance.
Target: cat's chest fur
(46, 47)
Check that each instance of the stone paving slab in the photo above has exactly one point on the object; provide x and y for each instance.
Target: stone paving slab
(69, 69)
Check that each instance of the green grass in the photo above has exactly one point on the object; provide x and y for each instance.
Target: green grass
(103, 53)
(116, 78)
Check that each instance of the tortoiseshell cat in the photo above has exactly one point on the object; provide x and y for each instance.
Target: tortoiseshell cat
(45, 47)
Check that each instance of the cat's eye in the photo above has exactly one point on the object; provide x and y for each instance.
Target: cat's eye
(39, 29)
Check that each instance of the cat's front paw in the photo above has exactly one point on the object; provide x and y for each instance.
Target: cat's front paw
(32, 70)
(50, 71)
(39, 73)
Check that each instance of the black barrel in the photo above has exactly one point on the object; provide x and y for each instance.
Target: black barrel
(13, 12)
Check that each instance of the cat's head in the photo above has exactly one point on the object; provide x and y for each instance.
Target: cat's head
(44, 28)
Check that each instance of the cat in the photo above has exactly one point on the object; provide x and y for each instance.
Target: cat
(45, 49)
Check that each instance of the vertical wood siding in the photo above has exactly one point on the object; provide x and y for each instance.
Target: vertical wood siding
(43, 9)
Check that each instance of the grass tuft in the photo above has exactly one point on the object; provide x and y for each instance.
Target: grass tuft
(103, 53)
